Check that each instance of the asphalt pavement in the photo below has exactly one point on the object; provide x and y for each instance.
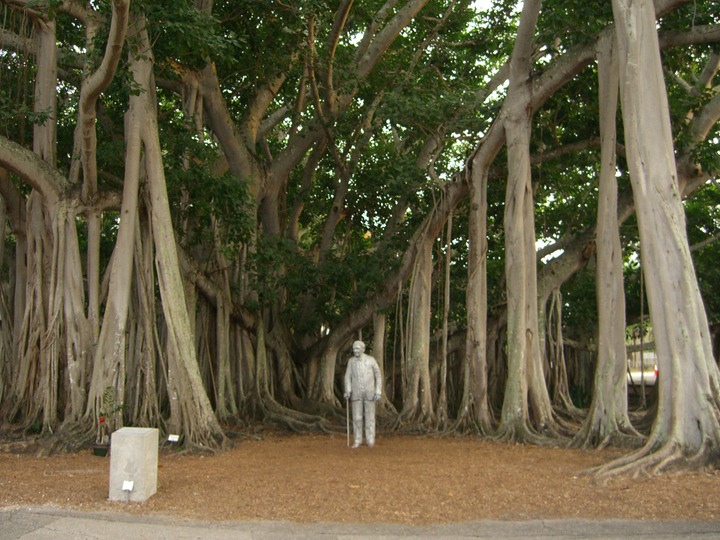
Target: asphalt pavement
(42, 523)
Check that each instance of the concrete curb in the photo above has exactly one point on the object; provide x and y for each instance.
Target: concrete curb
(56, 523)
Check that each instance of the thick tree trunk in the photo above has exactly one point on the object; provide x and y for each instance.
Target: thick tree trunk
(442, 400)
(417, 393)
(5, 314)
(109, 363)
(39, 330)
(474, 410)
(78, 335)
(200, 426)
(278, 341)
(93, 85)
(385, 406)
(29, 376)
(526, 407)
(44, 141)
(607, 422)
(554, 349)
(378, 347)
(522, 340)
(226, 404)
(686, 431)
(143, 389)
(323, 381)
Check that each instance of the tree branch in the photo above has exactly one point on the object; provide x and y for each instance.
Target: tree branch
(33, 170)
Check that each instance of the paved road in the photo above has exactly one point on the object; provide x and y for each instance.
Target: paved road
(57, 524)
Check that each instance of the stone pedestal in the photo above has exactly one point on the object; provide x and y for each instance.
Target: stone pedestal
(133, 464)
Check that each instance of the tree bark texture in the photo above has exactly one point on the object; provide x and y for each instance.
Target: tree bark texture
(607, 421)
(526, 407)
(686, 426)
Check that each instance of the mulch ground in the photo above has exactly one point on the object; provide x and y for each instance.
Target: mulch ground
(404, 479)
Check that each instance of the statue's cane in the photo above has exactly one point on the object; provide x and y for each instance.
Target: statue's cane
(347, 419)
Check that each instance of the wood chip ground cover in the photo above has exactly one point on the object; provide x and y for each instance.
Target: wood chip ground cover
(404, 479)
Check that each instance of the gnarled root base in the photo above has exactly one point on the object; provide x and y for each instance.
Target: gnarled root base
(523, 433)
(412, 418)
(602, 435)
(211, 442)
(70, 437)
(648, 461)
(269, 410)
(469, 421)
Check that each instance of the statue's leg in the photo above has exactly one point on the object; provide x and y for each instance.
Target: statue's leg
(370, 422)
(357, 413)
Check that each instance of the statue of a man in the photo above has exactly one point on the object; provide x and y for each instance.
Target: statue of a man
(363, 387)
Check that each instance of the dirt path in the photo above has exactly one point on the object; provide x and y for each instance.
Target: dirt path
(404, 479)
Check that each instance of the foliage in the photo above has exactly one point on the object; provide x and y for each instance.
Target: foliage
(109, 407)
(181, 32)
(703, 223)
(565, 23)
(580, 306)
(200, 196)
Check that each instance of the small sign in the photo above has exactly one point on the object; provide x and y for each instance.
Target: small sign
(173, 438)
(128, 485)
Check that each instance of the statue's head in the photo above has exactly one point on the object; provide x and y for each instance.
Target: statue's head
(358, 348)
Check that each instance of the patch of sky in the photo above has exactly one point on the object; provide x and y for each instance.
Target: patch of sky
(544, 242)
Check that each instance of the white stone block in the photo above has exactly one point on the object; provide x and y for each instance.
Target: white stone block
(133, 464)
